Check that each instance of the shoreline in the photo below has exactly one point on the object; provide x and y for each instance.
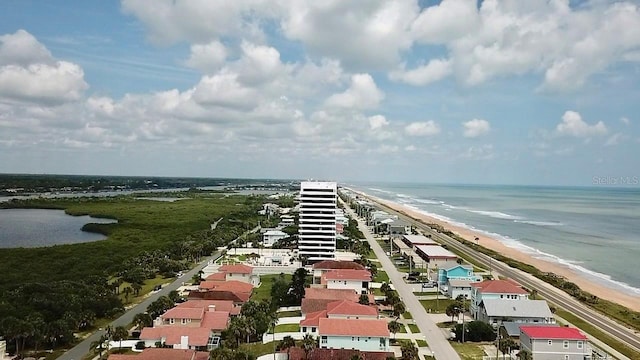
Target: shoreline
(618, 296)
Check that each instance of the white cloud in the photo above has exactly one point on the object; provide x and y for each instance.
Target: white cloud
(447, 21)
(23, 49)
(258, 64)
(410, 148)
(625, 120)
(362, 94)
(426, 128)
(573, 125)
(484, 152)
(223, 89)
(614, 139)
(377, 122)
(207, 58)
(476, 127)
(435, 70)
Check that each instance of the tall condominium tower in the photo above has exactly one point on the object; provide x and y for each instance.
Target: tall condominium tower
(317, 225)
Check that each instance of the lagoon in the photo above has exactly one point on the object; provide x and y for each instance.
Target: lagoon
(41, 227)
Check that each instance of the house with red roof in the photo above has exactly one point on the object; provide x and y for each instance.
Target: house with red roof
(357, 280)
(360, 334)
(212, 305)
(179, 337)
(322, 267)
(163, 354)
(317, 299)
(237, 298)
(342, 309)
(296, 353)
(547, 343)
(240, 272)
(494, 289)
(231, 285)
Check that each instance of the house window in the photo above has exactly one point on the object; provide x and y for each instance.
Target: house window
(172, 321)
(565, 344)
(184, 321)
(313, 329)
(550, 343)
(324, 340)
(580, 344)
(353, 339)
(304, 329)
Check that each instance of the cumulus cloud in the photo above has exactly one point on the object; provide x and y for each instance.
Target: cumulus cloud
(614, 139)
(425, 128)
(625, 120)
(476, 127)
(377, 122)
(361, 94)
(573, 125)
(28, 72)
(207, 58)
(447, 21)
(435, 70)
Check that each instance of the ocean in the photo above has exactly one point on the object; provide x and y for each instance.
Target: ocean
(595, 231)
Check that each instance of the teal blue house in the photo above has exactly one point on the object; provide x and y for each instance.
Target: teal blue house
(458, 272)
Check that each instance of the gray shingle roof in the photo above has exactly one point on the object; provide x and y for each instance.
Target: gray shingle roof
(517, 308)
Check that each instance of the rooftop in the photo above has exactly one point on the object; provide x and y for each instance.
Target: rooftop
(198, 336)
(296, 353)
(545, 332)
(220, 305)
(517, 308)
(233, 286)
(219, 295)
(335, 264)
(419, 240)
(353, 327)
(348, 274)
(215, 320)
(219, 276)
(499, 287)
(435, 251)
(345, 307)
(513, 328)
(331, 294)
(184, 313)
(163, 354)
(237, 269)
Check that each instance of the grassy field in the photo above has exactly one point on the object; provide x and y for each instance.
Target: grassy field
(407, 315)
(414, 328)
(592, 330)
(292, 313)
(287, 328)
(264, 291)
(258, 349)
(148, 285)
(422, 343)
(468, 350)
(381, 277)
(441, 305)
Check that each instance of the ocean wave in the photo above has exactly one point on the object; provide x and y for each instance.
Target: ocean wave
(429, 202)
(496, 214)
(404, 196)
(539, 223)
(380, 190)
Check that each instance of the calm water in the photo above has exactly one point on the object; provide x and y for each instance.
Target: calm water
(38, 227)
(592, 230)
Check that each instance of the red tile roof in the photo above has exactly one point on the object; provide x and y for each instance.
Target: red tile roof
(219, 295)
(313, 319)
(296, 353)
(233, 286)
(236, 269)
(345, 307)
(334, 264)
(546, 332)
(220, 276)
(198, 336)
(352, 327)
(163, 354)
(220, 305)
(215, 320)
(314, 305)
(499, 287)
(207, 284)
(184, 313)
(348, 274)
(331, 294)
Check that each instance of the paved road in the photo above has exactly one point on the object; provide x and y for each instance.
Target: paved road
(550, 293)
(435, 338)
(84, 347)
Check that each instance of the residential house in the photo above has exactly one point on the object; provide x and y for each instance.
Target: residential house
(193, 338)
(317, 299)
(398, 227)
(494, 289)
(296, 353)
(209, 318)
(554, 343)
(436, 256)
(343, 309)
(363, 335)
(322, 267)
(414, 240)
(458, 287)
(272, 236)
(163, 354)
(457, 272)
(240, 272)
(496, 311)
(510, 329)
(216, 305)
(357, 280)
(231, 285)
(237, 298)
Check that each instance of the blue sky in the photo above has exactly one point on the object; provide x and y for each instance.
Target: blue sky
(505, 92)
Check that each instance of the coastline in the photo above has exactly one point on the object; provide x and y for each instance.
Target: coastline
(630, 301)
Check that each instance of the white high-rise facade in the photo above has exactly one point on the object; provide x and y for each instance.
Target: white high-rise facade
(317, 223)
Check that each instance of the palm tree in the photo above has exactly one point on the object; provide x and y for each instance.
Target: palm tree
(409, 351)
(136, 288)
(524, 355)
(453, 310)
(398, 309)
(127, 291)
(99, 344)
(286, 343)
(385, 288)
(394, 327)
(119, 334)
(364, 299)
(142, 320)
(308, 344)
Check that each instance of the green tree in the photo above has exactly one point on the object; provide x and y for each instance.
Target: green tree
(100, 344)
(136, 286)
(279, 292)
(506, 345)
(364, 299)
(159, 306)
(385, 288)
(398, 309)
(142, 320)
(174, 296)
(525, 355)
(394, 327)
(409, 351)
(286, 343)
(120, 333)
(309, 343)
(452, 310)
(475, 331)
(298, 285)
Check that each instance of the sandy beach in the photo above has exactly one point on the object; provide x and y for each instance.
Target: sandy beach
(630, 301)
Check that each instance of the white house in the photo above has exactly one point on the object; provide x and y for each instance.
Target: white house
(342, 309)
(495, 311)
(322, 267)
(363, 335)
(270, 237)
(551, 343)
(240, 272)
(357, 280)
(494, 289)
(458, 287)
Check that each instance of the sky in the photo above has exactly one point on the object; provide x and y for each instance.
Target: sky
(457, 91)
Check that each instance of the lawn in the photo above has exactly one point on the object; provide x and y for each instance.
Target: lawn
(381, 277)
(403, 329)
(425, 293)
(422, 343)
(287, 328)
(441, 305)
(378, 292)
(414, 328)
(258, 348)
(148, 285)
(468, 350)
(292, 313)
(264, 291)
(407, 315)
